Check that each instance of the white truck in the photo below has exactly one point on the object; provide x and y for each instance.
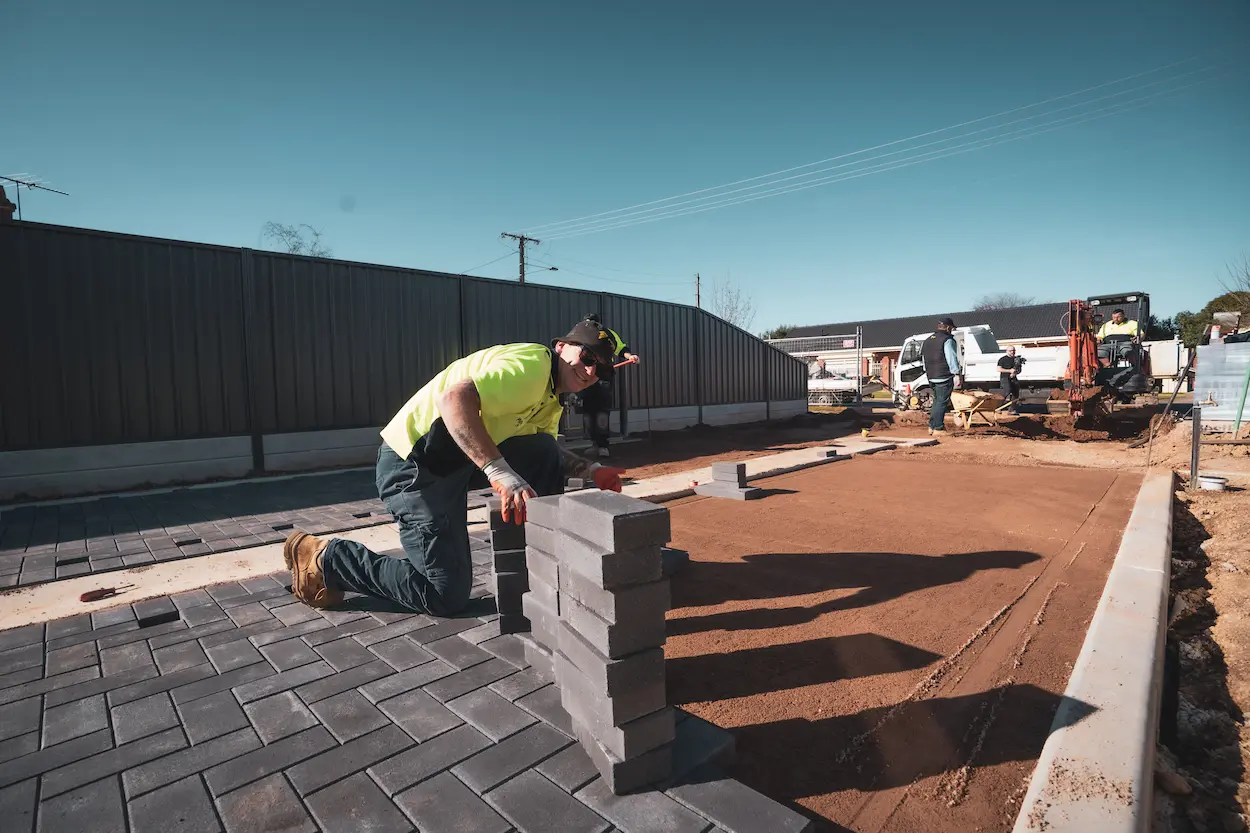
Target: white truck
(979, 352)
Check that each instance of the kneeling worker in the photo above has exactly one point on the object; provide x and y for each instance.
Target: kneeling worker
(490, 417)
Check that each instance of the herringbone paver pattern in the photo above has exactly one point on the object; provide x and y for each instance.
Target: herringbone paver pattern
(45, 542)
(236, 709)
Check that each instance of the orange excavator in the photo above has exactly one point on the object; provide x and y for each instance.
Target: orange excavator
(1101, 375)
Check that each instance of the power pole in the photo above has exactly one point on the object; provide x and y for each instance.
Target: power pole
(521, 240)
(697, 304)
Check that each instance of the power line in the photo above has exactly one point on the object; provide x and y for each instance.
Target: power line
(558, 234)
(603, 278)
(487, 263)
(978, 144)
(578, 220)
(613, 268)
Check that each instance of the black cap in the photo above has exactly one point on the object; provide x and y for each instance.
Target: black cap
(598, 340)
(947, 322)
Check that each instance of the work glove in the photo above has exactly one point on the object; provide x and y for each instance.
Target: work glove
(606, 477)
(512, 489)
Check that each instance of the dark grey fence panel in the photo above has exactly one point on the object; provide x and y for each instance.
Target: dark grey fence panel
(731, 363)
(109, 339)
(500, 312)
(349, 343)
(663, 337)
(787, 376)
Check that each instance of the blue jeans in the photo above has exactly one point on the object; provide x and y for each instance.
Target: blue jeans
(941, 404)
(432, 515)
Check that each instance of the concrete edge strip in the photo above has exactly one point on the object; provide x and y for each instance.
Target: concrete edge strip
(663, 495)
(1096, 770)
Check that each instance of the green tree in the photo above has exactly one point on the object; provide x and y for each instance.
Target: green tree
(1192, 325)
(1160, 329)
(778, 332)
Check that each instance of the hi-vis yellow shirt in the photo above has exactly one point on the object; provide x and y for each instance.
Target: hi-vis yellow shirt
(1110, 328)
(514, 383)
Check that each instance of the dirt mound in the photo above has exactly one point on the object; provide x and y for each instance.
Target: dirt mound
(1175, 446)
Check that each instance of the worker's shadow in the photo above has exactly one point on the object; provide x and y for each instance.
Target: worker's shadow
(902, 743)
(875, 577)
(729, 674)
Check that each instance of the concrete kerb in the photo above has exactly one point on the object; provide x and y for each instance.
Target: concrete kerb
(672, 486)
(1096, 770)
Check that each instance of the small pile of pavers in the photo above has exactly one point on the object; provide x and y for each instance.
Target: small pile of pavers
(587, 577)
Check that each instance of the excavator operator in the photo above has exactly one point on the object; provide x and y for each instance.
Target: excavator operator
(1116, 338)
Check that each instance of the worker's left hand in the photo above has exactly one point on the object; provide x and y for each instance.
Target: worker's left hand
(633, 358)
(607, 477)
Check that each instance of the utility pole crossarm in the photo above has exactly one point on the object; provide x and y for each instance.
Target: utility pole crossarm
(521, 241)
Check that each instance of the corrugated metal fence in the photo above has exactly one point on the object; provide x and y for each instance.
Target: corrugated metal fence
(109, 338)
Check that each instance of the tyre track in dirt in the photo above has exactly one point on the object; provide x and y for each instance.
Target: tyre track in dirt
(985, 668)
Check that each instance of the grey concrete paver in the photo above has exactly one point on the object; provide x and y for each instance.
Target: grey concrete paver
(429, 726)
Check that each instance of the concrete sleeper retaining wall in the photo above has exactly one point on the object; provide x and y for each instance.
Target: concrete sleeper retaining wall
(1096, 770)
(64, 472)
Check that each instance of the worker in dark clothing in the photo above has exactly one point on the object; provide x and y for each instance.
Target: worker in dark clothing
(1008, 370)
(595, 402)
(941, 365)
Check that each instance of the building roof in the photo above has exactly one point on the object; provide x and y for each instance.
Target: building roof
(1014, 323)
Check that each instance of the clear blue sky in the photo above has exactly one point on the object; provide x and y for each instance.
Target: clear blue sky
(414, 133)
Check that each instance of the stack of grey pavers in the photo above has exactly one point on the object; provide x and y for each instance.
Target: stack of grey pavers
(509, 576)
(729, 480)
(597, 612)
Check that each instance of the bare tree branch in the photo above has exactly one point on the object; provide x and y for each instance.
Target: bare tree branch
(292, 239)
(1002, 300)
(1237, 279)
(733, 304)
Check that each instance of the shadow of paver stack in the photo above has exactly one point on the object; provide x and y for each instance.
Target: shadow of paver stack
(729, 480)
(601, 627)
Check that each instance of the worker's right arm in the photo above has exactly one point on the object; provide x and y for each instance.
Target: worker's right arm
(461, 409)
(952, 360)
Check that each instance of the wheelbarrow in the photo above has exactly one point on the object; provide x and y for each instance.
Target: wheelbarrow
(972, 404)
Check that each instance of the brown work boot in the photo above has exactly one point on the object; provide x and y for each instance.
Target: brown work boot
(302, 553)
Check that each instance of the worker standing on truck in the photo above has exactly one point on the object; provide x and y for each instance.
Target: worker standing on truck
(488, 418)
(1116, 337)
(1008, 371)
(941, 365)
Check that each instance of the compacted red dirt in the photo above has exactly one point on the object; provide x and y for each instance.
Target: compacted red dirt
(888, 639)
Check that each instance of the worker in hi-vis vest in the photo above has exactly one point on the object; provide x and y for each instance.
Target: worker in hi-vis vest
(491, 417)
(1116, 337)
(595, 403)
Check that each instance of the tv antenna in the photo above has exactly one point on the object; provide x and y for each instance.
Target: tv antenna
(27, 181)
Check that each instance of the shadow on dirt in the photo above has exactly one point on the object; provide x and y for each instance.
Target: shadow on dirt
(876, 576)
(894, 746)
(778, 667)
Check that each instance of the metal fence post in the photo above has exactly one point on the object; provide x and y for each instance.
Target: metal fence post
(768, 387)
(246, 274)
(698, 365)
(1196, 446)
(859, 365)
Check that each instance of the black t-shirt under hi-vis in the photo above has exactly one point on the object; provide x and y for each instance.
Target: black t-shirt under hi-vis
(1005, 365)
